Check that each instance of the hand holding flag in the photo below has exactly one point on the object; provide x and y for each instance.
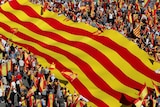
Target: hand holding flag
(52, 66)
(69, 75)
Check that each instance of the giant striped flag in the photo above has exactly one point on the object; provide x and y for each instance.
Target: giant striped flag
(111, 70)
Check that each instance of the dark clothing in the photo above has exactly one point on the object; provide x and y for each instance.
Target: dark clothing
(18, 88)
(12, 96)
(61, 102)
(12, 48)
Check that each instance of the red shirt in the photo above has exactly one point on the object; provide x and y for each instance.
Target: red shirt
(19, 77)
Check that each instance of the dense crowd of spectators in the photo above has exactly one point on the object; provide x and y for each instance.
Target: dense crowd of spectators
(123, 16)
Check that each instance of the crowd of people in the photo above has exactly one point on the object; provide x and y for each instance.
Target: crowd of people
(123, 16)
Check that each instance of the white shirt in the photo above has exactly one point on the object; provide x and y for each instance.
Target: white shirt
(144, 16)
(16, 49)
(110, 16)
(33, 63)
(13, 61)
(1, 92)
(52, 77)
(13, 84)
(7, 48)
(21, 62)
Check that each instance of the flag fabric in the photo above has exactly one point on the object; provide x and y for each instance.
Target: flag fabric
(9, 65)
(9, 92)
(130, 19)
(1, 46)
(142, 95)
(24, 102)
(110, 69)
(137, 5)
(52, 66)
(154, 102)
(31, 91)
(80, 103)
(26, 59)
(31, 101)
(50, 100)
(146, 2)
(42, 84)
(5, 67)
(136, 30)
(38, 103)
(135, 17)
(156, 89)
(69, 75)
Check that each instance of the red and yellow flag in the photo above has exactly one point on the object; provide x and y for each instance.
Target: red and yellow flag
(110, 68)
(69, 75)
(130, 19)
(80, 103)
(142, 95)
(146, 2)
(1, 47)
(31, 101)
(31, 91)
(52, 66)
(156, 89)
(137, 30)
(50, 100)
(38, 103)
(43, 83)
(137, 5)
